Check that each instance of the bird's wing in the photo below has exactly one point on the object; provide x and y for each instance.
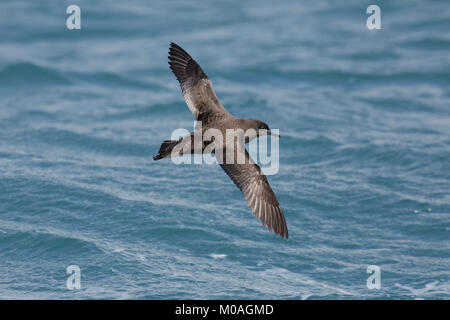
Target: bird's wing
(196, 87)
(258, 193)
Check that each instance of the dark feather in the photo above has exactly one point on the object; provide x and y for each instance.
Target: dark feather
(183, 66)
(258, 193)
(196, 88)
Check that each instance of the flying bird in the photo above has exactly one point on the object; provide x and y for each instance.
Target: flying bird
(199, 96)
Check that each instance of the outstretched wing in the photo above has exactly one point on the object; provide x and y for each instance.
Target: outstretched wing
(196, 88)
(258, 193)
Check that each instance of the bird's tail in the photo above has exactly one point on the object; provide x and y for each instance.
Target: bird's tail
(165, 149)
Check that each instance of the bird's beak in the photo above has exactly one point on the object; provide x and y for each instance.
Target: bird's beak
(274, 134)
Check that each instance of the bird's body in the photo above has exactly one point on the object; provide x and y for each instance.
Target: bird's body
(214, 125)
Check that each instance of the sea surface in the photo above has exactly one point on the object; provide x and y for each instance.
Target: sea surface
(364, 162)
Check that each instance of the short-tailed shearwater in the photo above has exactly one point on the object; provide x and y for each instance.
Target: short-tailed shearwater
(210, 113)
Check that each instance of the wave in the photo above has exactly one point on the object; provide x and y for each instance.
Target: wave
(430, 290)
(428, 44)
(28, 74)
(114, 80)
(339, 76)
(32, 240)
(54, 136)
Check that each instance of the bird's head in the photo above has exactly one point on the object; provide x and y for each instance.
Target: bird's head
(261, 128)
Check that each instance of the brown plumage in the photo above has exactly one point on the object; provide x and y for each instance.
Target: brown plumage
(199, 96)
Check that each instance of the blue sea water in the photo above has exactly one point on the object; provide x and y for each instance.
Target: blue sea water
(364, 173)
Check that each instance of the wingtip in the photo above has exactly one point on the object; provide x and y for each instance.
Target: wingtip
(284, 235)
(178, 55)
(172, 45)
(183, 65)
(176, 50)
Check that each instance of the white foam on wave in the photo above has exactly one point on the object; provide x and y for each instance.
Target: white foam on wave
(294, 285)
(430, 289)
(218, 256)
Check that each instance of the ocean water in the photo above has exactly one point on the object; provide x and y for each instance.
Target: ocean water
(364, 174)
